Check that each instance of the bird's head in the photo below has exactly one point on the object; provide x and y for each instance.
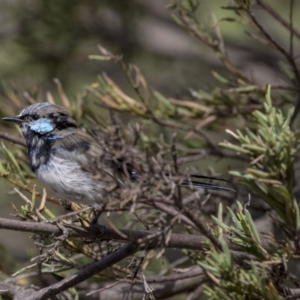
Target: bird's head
(42, 119)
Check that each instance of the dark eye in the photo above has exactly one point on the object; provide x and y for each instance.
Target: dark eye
(34, 117)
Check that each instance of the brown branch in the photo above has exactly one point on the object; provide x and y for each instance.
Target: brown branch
(296, 110)
(192, 272)
(290, 27)
(84, 274)
(179, 241)
(29, 190)
(11, 138)
(213, 44)
(164, 286)
(271, 41)
(288, 56)
(278, 17)
(138, 240)
(203, 228)
(171, 211)
(151, 239)
(277, 46)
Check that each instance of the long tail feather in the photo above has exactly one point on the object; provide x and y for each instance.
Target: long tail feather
(207, 186)
(207, 177)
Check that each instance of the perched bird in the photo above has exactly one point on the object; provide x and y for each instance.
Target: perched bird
(58, 152)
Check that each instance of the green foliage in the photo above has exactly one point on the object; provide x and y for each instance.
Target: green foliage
(252, 280)
(271, 151)
(232, 282)
(243, 232)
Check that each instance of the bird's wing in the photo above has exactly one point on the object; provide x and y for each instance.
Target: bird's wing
(80, 147)
(76, 146)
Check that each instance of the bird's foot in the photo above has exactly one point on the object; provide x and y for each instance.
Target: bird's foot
(97, 213)
(94, 222)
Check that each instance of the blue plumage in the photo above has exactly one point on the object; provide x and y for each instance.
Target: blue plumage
(41, 126)
(58, 153)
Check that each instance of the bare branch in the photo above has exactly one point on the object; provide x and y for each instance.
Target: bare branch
(278, 17)
(85, 273)
(164, 286)
(11, 138)
(180, 241)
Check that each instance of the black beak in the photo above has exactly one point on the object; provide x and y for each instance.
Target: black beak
(15, 119)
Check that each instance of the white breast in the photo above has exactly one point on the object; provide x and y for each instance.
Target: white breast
(67, 178)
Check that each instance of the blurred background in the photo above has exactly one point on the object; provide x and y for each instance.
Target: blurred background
(41, 40)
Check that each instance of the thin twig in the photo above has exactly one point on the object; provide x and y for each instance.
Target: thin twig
(213, 44)
(287, 54)
(12, 138)
(290, 27)
(85, 273)
(278, 17)
(164, 286)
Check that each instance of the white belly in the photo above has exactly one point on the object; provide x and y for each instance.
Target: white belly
(67, 178)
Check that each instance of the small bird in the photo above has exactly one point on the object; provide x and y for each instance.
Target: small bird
(58, 151)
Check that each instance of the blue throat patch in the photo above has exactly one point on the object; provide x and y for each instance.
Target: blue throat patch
(41, 126)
